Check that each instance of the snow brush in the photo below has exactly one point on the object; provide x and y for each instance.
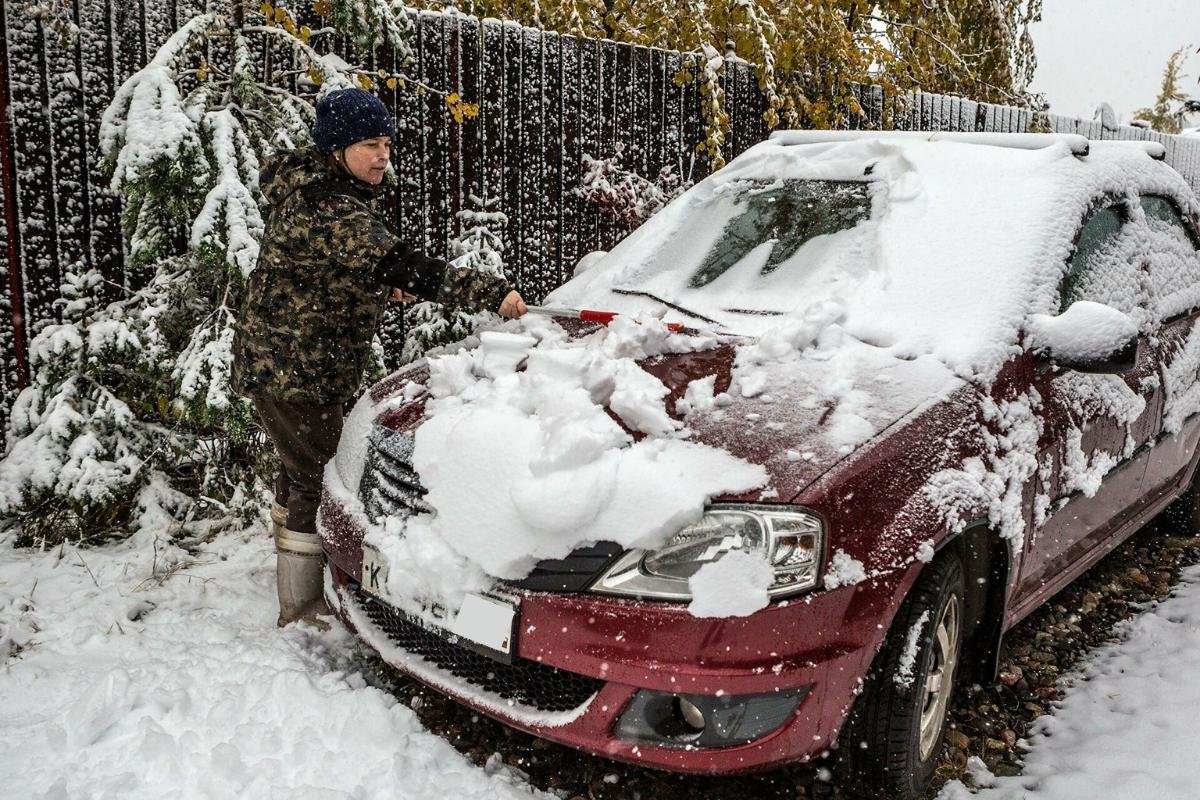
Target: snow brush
(587, 315)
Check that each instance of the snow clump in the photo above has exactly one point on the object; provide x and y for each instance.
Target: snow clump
(844, 570)
(733, 586)
(523, 426)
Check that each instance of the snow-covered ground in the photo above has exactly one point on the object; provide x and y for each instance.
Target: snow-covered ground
(1128, 728)
(138, 671)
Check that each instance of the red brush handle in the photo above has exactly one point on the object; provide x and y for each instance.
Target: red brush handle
(605, 317)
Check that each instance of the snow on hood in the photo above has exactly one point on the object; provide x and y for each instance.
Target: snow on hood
(962, 242)
(527, 464)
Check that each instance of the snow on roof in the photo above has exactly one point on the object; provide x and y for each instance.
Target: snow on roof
(962, 243)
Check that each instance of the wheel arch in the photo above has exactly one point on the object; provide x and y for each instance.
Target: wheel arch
(987, 563)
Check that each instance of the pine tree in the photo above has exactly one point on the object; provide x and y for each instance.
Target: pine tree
(480, 246)
(1164, 116)
(623, 194)
(130, 398)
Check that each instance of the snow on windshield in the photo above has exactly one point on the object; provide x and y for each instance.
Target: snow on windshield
(937, 248)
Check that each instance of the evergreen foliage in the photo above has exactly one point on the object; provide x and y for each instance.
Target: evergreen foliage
(130, 412)
(480, 246)
(1164, 116)
(623, 194)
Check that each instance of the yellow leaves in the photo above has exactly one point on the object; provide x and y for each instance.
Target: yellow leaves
(364, 80)
(459, 109)
(315, 75)
(278, 16)
(202, 72)
(322, 8)
(393, 83)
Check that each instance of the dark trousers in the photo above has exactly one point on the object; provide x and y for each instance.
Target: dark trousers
(305, 436)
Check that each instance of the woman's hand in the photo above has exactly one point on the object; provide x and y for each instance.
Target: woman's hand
(399, 296)
(513, 306)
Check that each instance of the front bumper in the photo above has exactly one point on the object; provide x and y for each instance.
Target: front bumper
(598, 652)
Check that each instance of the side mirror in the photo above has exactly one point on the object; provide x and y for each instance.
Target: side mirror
(1087, 337)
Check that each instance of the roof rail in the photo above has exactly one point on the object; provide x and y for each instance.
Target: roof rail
(1020, 141)
(1156, 150)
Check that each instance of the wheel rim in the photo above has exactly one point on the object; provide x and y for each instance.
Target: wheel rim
(939, 682)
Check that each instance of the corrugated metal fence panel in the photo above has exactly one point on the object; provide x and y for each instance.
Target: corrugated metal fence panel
(545, 101)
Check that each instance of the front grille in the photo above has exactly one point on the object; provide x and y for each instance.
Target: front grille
(390, 486)
(525, 682)
(573, 573)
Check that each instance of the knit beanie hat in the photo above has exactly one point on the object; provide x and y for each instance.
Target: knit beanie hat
(347, 116)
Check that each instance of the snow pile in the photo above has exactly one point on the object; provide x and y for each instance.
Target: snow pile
(1126, 729)
(142, 670)
(734, 586)
(1085, 331)
(540, 450)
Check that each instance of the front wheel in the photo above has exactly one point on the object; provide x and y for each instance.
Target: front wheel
(894, 736)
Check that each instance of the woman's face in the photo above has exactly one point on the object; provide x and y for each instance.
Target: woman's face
(367, 160)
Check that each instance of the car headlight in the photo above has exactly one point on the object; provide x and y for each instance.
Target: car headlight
(790, 539)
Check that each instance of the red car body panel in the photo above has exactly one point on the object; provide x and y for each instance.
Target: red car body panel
(872, 501)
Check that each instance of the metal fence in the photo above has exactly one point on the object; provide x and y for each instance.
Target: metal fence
(545, 101)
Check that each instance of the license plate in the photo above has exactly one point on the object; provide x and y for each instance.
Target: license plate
(374, 571)
(487, 625)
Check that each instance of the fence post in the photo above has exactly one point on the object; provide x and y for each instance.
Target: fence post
(8, 174)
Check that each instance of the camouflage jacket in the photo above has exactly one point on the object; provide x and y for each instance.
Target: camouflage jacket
(326, 266)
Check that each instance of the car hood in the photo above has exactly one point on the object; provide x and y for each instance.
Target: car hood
(797, 417)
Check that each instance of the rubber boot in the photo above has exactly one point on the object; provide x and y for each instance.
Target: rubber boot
(300, 578)
(278, 519)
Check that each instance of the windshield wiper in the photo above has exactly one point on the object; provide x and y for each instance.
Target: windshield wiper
(680, 309)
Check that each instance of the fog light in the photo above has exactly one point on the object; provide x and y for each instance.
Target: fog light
(699, 720)
(692, 716)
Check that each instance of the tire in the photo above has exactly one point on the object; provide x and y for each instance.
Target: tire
(895, 734)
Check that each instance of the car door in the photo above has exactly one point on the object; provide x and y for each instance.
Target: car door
(1173, 265)
(1097, 428)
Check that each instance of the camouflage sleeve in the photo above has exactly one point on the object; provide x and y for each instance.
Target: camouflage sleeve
(344, 230)
(412, 271)
(472, 289)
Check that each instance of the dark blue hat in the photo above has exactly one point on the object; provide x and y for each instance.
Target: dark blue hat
(348, 116)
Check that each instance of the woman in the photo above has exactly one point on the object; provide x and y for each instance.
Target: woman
(327, 265)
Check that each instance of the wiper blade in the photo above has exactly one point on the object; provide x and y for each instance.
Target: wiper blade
(672, 306)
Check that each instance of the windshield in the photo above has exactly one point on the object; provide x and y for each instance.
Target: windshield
(786, 216)
(753, 247)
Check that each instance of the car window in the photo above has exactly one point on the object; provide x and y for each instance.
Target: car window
(1104, 267)
(1172, 259)
(1162, 210)
(788, 215)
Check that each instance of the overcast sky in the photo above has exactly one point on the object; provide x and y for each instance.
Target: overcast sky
(1112, 50)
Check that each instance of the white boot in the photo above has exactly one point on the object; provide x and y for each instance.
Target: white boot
(299, 577)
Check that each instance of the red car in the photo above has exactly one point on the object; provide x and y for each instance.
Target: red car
(969, 367)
